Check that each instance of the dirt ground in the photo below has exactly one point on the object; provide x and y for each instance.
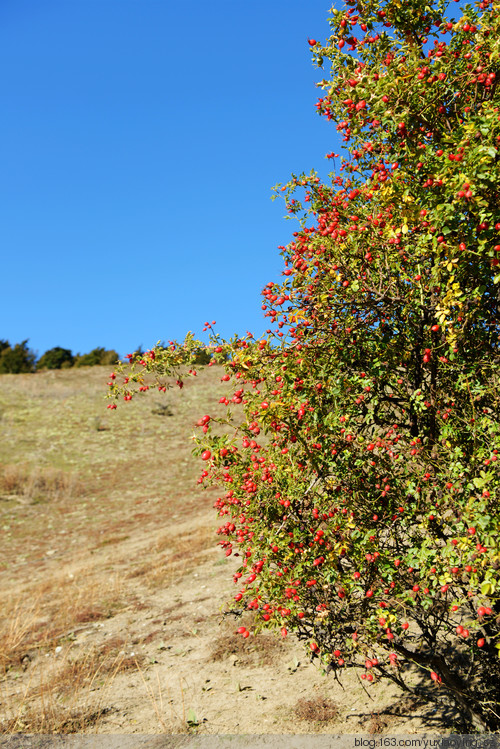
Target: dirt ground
(112, 583)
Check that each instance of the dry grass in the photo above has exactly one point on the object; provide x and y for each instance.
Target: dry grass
(31, 624)
(378, 723)
(52, 683)
(65, 693)
(174, 723)
(50, 718)
(259, 650)
(34, 484)
(172, 557)
(319, 709)
(91, 666)
(86, 498)
(18, 627)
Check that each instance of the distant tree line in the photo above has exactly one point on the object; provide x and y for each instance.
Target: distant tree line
(17, 358)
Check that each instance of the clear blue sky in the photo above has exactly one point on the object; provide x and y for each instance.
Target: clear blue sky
(139, 141)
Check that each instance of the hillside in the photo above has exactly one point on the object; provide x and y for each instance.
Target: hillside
(112, 583)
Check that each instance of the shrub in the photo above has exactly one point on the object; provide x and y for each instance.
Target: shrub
(360, 482)
(202, 357)
(16, 359)
(56, 358)
(97, 356)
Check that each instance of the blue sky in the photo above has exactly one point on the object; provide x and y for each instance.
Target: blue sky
(139, 141)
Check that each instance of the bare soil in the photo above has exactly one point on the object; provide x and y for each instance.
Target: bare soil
(112, 583)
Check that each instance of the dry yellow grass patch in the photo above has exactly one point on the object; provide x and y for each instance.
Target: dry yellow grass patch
(32, 483)
(64, 693)
(318, 709)
(40, 616)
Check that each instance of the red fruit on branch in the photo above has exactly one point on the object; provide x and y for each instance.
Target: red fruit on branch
(375, 388)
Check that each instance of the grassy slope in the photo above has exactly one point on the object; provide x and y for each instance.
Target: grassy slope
(77, 479)
(68, 464)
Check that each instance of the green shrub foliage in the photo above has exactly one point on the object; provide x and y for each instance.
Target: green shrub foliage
(56, 358)
(96, 357)
(360, 479)
(16, 359)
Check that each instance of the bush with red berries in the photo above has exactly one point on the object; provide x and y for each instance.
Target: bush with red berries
(359, 468)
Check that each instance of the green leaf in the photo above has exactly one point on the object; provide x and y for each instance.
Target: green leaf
(487, 588)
